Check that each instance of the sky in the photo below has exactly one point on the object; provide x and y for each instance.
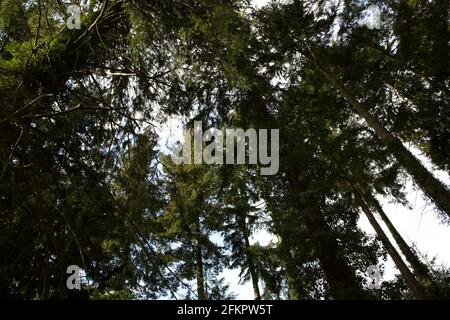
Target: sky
(418, 225)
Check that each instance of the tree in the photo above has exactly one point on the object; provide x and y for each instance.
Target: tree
(82, 180)
(241, 214)
(281, 27)
(189, 221)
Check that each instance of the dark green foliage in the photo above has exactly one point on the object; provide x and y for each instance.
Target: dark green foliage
(82, 180)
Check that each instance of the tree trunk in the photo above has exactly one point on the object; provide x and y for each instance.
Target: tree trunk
(251, 264)
(199, 271)
(201, 295)
(419, 267)
(295, 288)
(431, 186)
(340, 276)
(409, 278)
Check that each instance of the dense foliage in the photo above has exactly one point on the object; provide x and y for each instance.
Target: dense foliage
(83, 180)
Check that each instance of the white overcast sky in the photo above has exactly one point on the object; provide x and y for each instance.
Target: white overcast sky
(419, 226)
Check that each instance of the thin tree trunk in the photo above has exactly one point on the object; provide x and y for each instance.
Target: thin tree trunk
(419, 267)
(432, 187)
(199, 271)
(201, 295)
(409, 278)
(251, 264)
(295, 288)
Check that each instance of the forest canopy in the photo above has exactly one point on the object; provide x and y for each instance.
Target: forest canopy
(85, 181)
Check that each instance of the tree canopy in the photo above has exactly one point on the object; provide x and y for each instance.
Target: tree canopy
(84, 180)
